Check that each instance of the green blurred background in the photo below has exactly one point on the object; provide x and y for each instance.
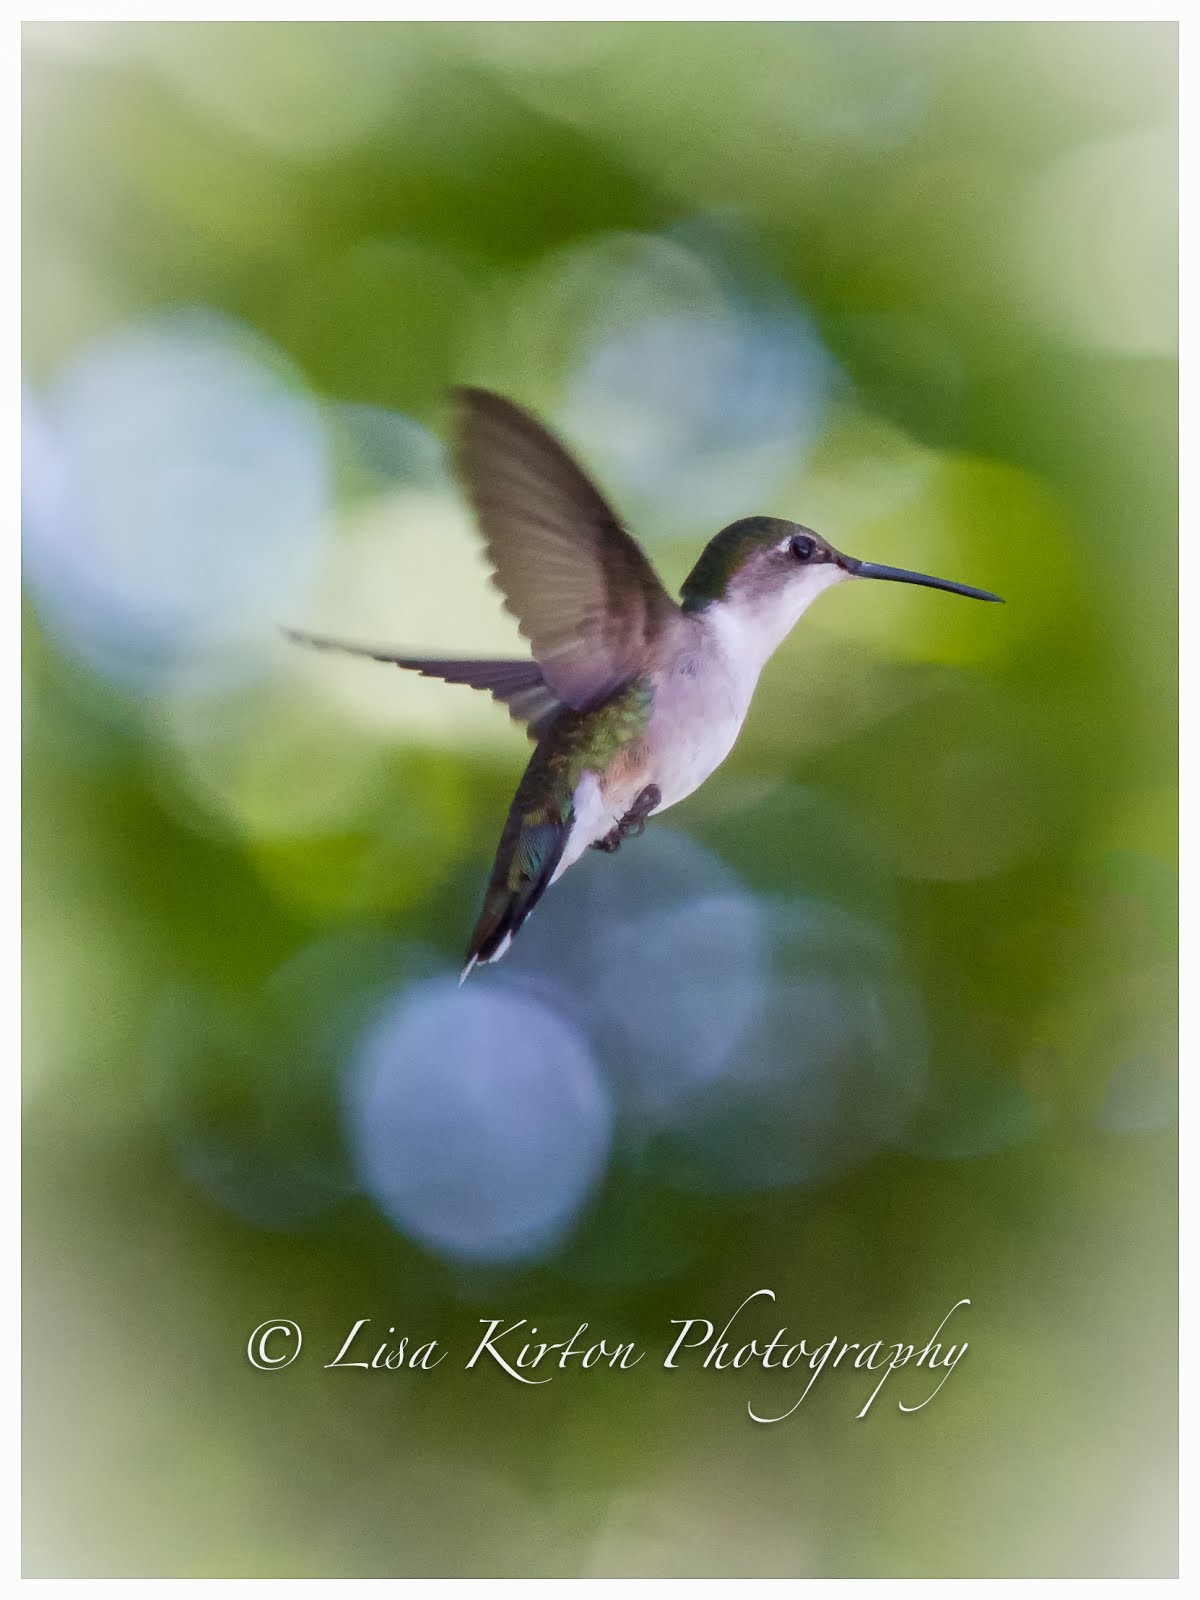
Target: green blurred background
(881, 1018)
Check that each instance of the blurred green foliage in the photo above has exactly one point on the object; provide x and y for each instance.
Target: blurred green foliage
(961, 237)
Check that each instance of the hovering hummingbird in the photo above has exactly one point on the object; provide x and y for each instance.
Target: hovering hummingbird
(632, 699)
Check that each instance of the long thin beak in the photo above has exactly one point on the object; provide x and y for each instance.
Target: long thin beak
(871, 569)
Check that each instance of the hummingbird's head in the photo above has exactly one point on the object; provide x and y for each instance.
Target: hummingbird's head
(764, 573)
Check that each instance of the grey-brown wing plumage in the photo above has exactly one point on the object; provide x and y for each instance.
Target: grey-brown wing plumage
(580, 586)
(519, 685)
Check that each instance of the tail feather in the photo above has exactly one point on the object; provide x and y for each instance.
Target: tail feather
(539, 823)
(530, 848)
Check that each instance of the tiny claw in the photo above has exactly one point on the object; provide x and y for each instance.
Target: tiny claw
(633, 823)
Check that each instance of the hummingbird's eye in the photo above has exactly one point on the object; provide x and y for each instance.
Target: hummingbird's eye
(803, 548)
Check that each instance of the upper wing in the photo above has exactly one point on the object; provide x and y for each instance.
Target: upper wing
(519, 685)
(586, 597)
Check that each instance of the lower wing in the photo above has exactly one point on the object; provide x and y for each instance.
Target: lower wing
(518, 685)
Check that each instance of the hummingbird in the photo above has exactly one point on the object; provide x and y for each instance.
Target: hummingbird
(632, 699)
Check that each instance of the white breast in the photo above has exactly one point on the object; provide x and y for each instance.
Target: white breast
(699, 707)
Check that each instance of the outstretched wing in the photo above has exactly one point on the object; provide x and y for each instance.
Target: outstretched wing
(519, 685)
(586, 597)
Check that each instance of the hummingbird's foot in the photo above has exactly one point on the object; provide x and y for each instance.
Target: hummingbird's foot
(633, 823)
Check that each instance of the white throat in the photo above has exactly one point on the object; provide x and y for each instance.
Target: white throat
(751, 626)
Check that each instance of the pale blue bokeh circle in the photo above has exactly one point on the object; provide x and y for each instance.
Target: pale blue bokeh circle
(478, 1120)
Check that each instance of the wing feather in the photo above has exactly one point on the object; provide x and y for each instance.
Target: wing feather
(580, 586)
(518, 685)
